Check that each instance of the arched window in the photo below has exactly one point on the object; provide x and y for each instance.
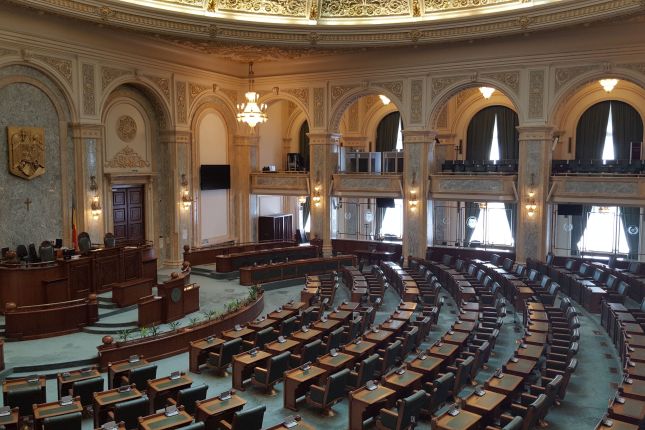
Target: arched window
(492, 136)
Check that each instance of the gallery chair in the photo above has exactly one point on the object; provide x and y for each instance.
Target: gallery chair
(514, 424)
(390, 356)
(406, 415)
(140, 376)
(263, 337)
(309, 353)
(267, 378)
(189, 396)
(363, 372)
(64, 422)
(462, 372)
(288, 326)
(84, 243)
(109, 240)
(25, 399)
(333, 391)
(247, 419)
(335, 339)
(221, 359)
(86, 388)
(440, 392)
(46, 252)
(130, 411)
(530, 413)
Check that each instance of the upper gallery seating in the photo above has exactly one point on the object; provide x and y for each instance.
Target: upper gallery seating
(624, 167)
(504, 167)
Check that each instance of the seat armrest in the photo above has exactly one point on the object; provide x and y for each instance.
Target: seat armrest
(225, 425)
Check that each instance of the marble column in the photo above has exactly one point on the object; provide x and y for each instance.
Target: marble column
(245, 156)
(323, 164)
(418, 153)
(533, 183)
(88, 159)
(179, 152)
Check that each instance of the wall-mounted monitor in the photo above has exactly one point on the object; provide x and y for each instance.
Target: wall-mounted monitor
(215, 177)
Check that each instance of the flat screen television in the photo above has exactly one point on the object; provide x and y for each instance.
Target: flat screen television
(215, 176)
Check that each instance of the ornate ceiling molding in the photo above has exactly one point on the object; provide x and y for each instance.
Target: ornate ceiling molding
(334, 23)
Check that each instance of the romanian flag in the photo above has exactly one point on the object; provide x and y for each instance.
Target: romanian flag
(74, 230)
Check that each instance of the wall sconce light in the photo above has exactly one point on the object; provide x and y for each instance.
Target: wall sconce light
(95, 203)
(302, 200)
(413, 201)
(487, 92)
(531, 206)
(608, 84)
(186, 200)
(483, 205)
(316, 197)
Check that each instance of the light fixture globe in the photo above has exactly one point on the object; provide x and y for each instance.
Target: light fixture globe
(487, 92)
(251, 112)
(608, 84)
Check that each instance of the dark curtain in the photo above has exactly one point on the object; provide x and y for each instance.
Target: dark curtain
(306, 208)
(382, 204)
(627, 125)
(387, 132)
(511, 210)
(591, 132)
(303, 147)
(507, 134)
(472, 209)
(579, 223)
(631, 216)
(480, 134)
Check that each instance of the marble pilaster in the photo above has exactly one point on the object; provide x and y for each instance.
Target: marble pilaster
(418, 150)
(533, 177)
(245, 154)
(323, 164)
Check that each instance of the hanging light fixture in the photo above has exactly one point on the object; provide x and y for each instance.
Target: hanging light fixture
(251, 112)
(487, 92)
(384, 99)
(608, 84)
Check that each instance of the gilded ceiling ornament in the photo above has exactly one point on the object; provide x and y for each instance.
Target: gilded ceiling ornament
(313, 12)
(105, 13)
(415, 35)
(211, 6)
(269, 7)
(364, 8)
(416, 9)
(434, 5)
(524, 21)
(127, 158)
(126, 128)
(26, 151)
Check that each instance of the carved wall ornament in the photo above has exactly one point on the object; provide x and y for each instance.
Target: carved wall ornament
(364, 8)
(564, 74)
(127, 158)
(109, 74)
(230, 94)
(313, 12)
(416, 9)
(338, 91)
(416, 101)
(162, 83)
(440, 84)
(313, 37)
(301, 94)
(510, 79)
(415, 35)
(536, 93)
(89, 98)
(319, 107)
(268, 7)
(434, 5)
(126, 128)
(26, 151)
(62, 66)
(395, 87)
(525, 21)
(211, 5)
(105, 13)
(182, 114)
(195, 90)
(638, 67)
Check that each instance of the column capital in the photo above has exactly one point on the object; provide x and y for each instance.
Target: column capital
(324, 138)
(246, 140)
(418, 136)
(87, 131)
(535, 132)
(175, 136)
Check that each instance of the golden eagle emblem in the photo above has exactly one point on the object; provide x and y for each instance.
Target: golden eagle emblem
(26, 151)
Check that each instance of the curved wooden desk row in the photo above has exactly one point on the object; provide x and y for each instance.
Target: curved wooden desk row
(168, 344)
(252, 275)
(65, 280)
(231, 262)
(206, 255)
(382, 250)
(53, 319)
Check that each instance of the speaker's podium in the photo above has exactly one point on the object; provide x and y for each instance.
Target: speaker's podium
(177, 297)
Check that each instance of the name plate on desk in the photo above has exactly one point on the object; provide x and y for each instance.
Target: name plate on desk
(109, 426)
(226, 395)
(371, 386)
(67, 400)
(5, 411)
(175, 375)
(171, 411)
(133, 358)
(290, 422)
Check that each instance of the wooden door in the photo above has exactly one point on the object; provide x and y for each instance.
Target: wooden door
(128, 213)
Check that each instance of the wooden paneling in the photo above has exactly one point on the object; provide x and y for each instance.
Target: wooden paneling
(80, 277)
(231, 262)
(294, 269)
(207, 255)
(128, 213)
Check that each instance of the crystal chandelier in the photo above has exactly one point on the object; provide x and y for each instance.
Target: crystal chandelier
(251, 112)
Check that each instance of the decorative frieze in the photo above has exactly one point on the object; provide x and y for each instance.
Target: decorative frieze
(319, 107)
(565, 74)
(109, 74)
(301, 94)
(509, 79)
(338, 91)
(395, 87)
(195, 90)
(89, 97)
(363, 8)
(295, 8)
(127, 158)
(416, 101)
(182, 114)
(440, 84)
(162, 83)
(62, 66)
(536, 94)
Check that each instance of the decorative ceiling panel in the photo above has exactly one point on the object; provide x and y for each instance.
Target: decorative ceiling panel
(363, 8)
(293, 8)
(441, 5)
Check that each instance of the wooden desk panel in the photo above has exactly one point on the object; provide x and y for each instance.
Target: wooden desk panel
(261, 258)
(161, 388)
(358, 350)
(65, 380)
(22, 384)
(105, 401)
(10, 421)
(508, 384)
(487, 405)
(464, 421)
(243, 365)
(199, 349)
(161, 422)
(364, 404)
(121, 368)
(334, 364)
(403, 383)
(54, 409)
(297, 383)
(211, 411)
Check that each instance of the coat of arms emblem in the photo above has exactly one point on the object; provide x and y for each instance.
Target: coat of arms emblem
(26, 151)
